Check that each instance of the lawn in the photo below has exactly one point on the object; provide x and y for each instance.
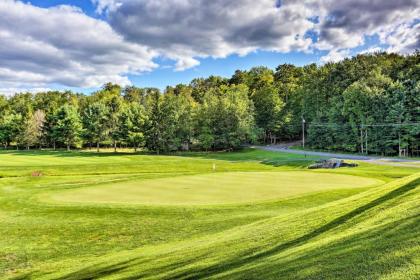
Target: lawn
(210, 189)
(250, 214)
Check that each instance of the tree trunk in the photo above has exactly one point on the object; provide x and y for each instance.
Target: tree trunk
(68, 147)
(54, 145)
(97, 147)
(115, 146)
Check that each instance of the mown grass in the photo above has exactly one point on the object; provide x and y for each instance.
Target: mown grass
(210, 189)
(341, 233)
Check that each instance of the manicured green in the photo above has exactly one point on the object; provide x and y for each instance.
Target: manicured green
(217, 188)
(360, 223)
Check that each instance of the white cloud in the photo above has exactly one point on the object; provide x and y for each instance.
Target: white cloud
(185, 30)
(404, 38)
(13, 90)
(338, 38)
(335, 56)
(63, 45)
(345, 24)
(354, 18)
(372, 50)
(185, 63)
(106, 5)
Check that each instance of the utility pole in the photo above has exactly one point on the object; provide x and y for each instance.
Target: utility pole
(399, 139)
(303, 133)
(399, 145)
(366, 138)
(361, 138)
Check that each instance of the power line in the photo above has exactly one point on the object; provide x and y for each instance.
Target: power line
(365, 125)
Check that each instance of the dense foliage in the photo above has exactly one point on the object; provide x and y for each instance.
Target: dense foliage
(369, 103)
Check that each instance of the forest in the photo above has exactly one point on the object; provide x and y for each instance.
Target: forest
(369, 103)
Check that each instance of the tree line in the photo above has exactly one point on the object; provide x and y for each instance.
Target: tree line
(370, 102)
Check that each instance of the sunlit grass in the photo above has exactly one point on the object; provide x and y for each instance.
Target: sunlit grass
(342, 233)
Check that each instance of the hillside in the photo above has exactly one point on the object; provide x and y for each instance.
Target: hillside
(366, 232)
(372, 235)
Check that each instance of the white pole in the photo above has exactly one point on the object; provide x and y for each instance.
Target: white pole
(303, 133)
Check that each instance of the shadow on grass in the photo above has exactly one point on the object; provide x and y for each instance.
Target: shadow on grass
(67, 154)
(255, 155)
(368, 255)
(247, 154)
(95, 274)
(212, 270)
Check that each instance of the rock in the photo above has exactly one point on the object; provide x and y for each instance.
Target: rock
(331, 164)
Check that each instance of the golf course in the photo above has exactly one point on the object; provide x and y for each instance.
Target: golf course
(224, 215)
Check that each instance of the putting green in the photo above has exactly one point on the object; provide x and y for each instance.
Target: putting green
(215, 188)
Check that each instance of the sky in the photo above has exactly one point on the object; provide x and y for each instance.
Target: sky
(83, 44)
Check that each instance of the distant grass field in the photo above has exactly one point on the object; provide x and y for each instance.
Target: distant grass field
(257, 215)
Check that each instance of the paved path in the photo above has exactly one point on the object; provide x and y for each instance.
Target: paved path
(372, 159)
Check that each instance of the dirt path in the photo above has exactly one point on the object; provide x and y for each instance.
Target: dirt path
(284, 148)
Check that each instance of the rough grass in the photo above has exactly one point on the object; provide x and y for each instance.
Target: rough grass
(349, 233)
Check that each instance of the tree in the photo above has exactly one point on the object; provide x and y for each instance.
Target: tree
(95, 123)
(259, 77)
(288, 81)
(3, 106)
(153, 126)
(268, 107)
(69, 126)
(200, 86)
(114, 108)
(132, 122)
(110, 96)
(226, 119)
(10, 128)
(33, 130)
(134, 94)
(370, 99)
(366, 102)
(177, 119)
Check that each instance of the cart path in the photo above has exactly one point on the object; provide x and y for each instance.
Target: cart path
(284, 148)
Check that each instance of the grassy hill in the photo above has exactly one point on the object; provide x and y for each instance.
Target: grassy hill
(356, 230)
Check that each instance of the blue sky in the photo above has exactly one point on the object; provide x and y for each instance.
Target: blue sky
(166, 75)
(87, 6)
(81, 44)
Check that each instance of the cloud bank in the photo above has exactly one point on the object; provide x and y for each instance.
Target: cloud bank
(184, 30)
(62, 45)
(345, 25)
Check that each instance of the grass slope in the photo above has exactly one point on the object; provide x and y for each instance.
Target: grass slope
(360, 232)
(370, 235)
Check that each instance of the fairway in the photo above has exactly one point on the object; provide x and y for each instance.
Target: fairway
(258, 215)
(216, 188)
